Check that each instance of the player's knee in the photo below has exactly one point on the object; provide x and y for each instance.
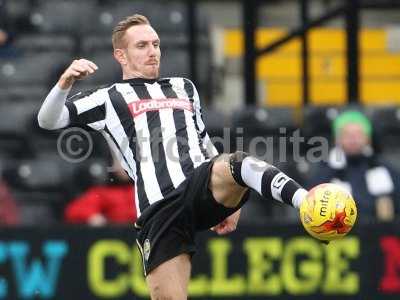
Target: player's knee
(223, 186)
(168, 297)
(235, 166)
(162, 297)
(226, 169)
(159, 293)
(163, 291)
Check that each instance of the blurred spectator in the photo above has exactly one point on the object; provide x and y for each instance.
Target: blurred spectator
(353, 164)
(102, 204)
(8, 208)
(6, 37)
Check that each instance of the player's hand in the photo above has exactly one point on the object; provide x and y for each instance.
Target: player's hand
(228, 225)
(79, 69)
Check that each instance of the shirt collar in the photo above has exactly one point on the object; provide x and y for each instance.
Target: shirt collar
(139, 80)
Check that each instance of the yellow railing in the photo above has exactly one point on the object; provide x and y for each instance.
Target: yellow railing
(280, 71)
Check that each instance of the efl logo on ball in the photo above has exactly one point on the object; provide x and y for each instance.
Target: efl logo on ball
(328, 212)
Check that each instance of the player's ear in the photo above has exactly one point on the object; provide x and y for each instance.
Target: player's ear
(120, 56)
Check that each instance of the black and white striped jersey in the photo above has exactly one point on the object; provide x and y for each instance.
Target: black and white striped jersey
(155, 128)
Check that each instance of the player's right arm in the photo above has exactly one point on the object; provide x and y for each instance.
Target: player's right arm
(53, 113)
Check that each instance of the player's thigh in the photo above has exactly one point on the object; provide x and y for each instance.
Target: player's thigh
(169, 281)
(224, 188)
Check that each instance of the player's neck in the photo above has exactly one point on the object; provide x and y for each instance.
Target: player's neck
(133, 75)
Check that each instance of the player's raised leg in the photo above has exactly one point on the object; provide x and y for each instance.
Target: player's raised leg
(233, 173)
(170, 280)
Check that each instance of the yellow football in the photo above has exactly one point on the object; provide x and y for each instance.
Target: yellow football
(328, 212)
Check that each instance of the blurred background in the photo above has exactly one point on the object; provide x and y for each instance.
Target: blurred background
(273, 76)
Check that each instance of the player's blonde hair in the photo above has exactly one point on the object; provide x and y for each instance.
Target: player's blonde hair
(119, 30)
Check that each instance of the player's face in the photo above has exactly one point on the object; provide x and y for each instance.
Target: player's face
(353, 139)
(142, 52)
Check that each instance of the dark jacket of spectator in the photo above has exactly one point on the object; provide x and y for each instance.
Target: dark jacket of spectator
(374, 183)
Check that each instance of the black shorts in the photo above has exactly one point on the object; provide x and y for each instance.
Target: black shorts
(167, 228)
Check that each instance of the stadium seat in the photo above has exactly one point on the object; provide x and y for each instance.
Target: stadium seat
(90, 172)
(17, 8)
(49, 143)
(14, 147)
(31, 69)
(215, 120)
(259, 131)
(61, 16)
(386, 122)
(17, 13)
(171, 17)
(44, 175)
(317, 120)
(14, 116)
(34, 209)
(46, 196)
(45, 42)
(167, 17)
(52, 174)
(264, 121)
(109, 14)
(174, 62)
(41, 188)
(35, 93)
(96, 43)
(385, 118)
